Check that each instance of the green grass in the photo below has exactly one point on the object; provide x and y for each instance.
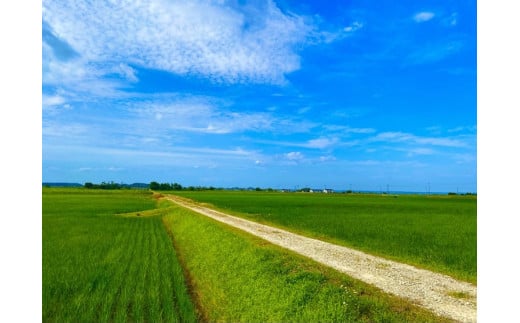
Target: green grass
(237, 277)
(99, 267)
(124, 256)
(434, 232)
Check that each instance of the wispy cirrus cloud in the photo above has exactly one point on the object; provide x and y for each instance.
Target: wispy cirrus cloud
(434, 52)
(183, 155)
(52, 100)
(327, 37)
(317, 143)
(224, 43)
(294, 155)
(420, 151)
(349, 130)
(167, 120)
(321, 143)
(211, 115)
(68, 130)
(401, 137)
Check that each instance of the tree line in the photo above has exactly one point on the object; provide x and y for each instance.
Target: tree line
(154, 186)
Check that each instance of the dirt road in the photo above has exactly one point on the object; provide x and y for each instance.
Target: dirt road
(428, 289)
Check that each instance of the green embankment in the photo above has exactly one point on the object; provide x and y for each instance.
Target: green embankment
(240, 278)
(434, 232)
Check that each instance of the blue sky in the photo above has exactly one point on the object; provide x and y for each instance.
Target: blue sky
(346, 95)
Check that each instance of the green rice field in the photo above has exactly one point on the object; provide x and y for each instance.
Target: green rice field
(436, 232)
(129, 256)
(100, 267)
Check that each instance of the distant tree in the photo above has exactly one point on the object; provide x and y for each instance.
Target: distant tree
(165, 187)
(154, 186)
(89, 185)
(168, 187)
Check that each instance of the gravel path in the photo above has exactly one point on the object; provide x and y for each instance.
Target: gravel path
(425, 288)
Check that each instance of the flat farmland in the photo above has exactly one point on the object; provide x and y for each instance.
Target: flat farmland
(436, 232)
(134, 256)
(103, 264)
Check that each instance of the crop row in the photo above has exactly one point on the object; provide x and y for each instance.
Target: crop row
(104, 268)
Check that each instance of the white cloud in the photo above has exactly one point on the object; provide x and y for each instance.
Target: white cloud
(446, 142)
(53, 104)
(423, 16)
(186, 156)
(52, 100)
(410, 138)
(348, 130)
(420, 151)
(318, 143)
(199, 115)
(294, 156)
(128, 72)
(354, 27)
(225, 43)
(77, 75)
(321, 143)
(63, 130)
(327, 158)
(327, 37)
(470, 129)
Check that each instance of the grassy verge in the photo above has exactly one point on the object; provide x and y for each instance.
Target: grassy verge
(97, 267)
(236, 277)
(433, 232)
